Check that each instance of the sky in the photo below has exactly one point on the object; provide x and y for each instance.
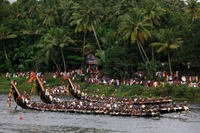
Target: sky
(11, 1)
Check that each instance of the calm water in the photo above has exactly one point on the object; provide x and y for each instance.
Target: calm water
(38, 121)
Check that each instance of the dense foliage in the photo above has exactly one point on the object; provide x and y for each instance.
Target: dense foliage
(126, 35)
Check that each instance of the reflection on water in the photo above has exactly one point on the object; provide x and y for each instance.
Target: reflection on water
(37, 121)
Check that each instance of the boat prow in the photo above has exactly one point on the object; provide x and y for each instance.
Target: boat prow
(17, 96)
(41, 91)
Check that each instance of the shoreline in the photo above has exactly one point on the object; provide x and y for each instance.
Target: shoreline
(178, 93)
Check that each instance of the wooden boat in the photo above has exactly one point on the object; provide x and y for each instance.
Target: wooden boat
(85, 107)
(71, 90)
(40, 89)
(95, 111)
(175, 109)
(79, 94)
(89, 107)
(115, 107)
(48, 98)
(18, 98)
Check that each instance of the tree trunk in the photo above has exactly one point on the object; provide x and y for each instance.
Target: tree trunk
(63, 58)
(56, 65)
(152, 50)
(144, 52)
(83, 50)
(169, 62)
(95, 36)
(140, 51)
(4, 49)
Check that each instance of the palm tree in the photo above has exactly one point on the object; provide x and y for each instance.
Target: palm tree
(193, 9)
(34, 8)
(148, 68)
(47, 53)
(17, 10)
(154, 12)
(31, 28)
(5, 34)
(50, 13)
(135, 26)
(168, 42)
(4, 6)
(56, 38)
(86, 16)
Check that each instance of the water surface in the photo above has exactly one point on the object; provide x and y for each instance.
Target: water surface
(14, 121)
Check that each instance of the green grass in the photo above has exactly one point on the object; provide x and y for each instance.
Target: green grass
(181, 93)
(22, 84)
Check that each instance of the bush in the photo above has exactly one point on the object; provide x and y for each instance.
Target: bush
(192, 93)
(54, 81)
(179, 91)
(130, 90)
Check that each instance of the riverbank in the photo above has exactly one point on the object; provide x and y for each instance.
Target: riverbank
(180, 92)
(23, 85)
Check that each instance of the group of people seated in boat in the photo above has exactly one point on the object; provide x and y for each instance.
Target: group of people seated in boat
(24, 98)
(113, 106)
(57, 90)
(82, 94)
(96, 104)
(76, 91)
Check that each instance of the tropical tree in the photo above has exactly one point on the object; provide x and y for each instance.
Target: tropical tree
(149, 68)
(4, 6)
(86, 16)
(167, 42)
(6, 34)
(56, 38)
(135, 26)
(154, 11)
(49, 13)
(31, 28)
(47, 53)
(34, 8)
(192, 10)
(17, 10)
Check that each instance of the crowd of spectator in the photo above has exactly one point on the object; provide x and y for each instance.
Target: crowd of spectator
(94, 76)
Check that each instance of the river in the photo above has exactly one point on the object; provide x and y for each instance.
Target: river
(15, 121)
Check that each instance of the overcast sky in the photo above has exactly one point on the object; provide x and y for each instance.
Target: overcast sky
(11, 1)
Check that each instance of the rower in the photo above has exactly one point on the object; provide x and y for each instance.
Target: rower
(150, 97)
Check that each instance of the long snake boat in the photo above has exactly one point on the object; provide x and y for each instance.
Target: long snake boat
(165, 104)
(112, 106)
(113, 109)
(75, 91)
(89, 107)
(77, 106)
